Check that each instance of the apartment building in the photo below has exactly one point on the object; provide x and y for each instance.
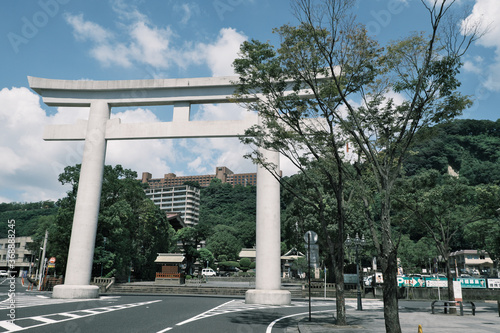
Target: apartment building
(182, 199)
(223, 173)
(23, 256)
(472, 262)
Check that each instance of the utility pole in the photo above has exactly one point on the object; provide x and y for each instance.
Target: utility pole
(42, 261)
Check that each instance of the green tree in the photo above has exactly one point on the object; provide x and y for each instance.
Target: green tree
(134, 228)
(206, 257)
(485, 234)
(416, 255)
(190, 238)
(331, 57)
(443, 206)
(224, 242)
(223, 204)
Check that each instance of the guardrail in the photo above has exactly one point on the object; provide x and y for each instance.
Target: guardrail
(453, 305)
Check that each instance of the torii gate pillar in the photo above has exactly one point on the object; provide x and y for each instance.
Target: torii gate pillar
(268, 280)
(101, 96)
(83, 233)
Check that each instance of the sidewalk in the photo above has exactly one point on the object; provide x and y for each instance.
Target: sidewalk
(372, 320)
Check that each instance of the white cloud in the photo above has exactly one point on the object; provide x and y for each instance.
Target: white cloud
(227, 111)
(220, 55)
(29, 166)
(474, 65)
(109, 55)
(86, 30)
(139, 42)
(143, 44)
(151, 45)
(487, 12)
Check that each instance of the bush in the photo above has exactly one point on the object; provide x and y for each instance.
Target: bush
(245, 264)
(229, 264)
(188, 277)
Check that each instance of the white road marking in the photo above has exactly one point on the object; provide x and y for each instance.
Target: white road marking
(12, 327)
(205, 314)
(25, 300)
(371, 304)
(270, 327)
(240, 305)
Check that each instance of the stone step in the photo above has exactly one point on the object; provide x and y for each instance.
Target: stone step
(183, 290)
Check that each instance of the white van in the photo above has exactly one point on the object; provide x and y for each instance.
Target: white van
(208, 272)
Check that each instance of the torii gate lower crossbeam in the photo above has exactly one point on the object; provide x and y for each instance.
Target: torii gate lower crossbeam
(101, 96)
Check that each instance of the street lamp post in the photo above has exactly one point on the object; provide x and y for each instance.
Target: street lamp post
(357, 243)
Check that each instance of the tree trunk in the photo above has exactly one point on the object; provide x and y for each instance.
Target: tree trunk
(336, 250)
(388, 254)
(340, 296)
(390, 288)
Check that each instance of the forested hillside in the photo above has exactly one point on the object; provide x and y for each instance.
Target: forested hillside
(26, 215)
(234, 207)
(470, 147)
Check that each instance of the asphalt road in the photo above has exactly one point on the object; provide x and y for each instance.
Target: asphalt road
(38, 312)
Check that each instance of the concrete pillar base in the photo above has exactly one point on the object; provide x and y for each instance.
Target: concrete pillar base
(268, 297)
(75, 291)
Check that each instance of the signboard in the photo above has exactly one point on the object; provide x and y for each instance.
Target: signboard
(311, 236)
(438, 281)
(350, 278)
(404, 281)
(493, 283)
(52, 262)
(457, 290)
(472, 283)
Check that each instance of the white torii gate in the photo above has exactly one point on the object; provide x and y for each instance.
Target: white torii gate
(101, 96)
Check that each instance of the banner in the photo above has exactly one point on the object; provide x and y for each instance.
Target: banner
(472, 282)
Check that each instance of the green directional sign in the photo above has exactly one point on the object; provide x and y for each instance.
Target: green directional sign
(472, 282)
(404, 281)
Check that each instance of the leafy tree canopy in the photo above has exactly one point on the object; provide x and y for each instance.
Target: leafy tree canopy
(131, 230)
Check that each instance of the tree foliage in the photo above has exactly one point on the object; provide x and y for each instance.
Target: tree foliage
(352, 81)
(470, 147)
(26, 215)
(223, 204)
(131, 230)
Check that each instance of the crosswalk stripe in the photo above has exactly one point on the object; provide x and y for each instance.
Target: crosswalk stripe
(9, 326)
(43, 320)
(26, 300)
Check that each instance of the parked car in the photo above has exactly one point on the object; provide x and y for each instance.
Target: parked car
(208, 272)
(4, 273)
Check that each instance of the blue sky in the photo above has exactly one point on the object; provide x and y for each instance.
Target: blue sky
(139, 39)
